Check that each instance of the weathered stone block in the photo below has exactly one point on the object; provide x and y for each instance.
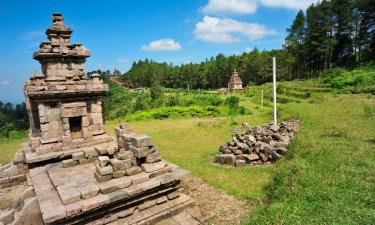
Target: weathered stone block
(139, 178)
(151, 167)
(125, 155)
(101, 178)
(89, 190)
(133, 170)
(141, 140)
(103, 161)
(106, 170)
(140, 152)
(117, 164)
(226, 159)
(69, 163)
(90, 152)
(78, 155)
(119, 173)
(69, 194)
(240, 163)
(153, 157)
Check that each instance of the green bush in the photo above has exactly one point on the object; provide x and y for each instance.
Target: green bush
(358, 80)
(232, 102)
(177, 112)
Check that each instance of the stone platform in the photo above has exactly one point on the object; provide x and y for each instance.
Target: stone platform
(73, 196)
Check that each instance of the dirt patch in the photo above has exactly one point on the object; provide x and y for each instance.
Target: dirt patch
(215, 204)
(9, 196)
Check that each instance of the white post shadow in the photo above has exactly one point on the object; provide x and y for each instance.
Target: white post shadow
(274, 92)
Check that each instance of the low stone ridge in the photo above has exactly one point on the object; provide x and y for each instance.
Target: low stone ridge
(258, 145)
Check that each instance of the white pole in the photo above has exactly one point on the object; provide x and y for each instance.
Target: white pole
(261, 101)
(274, 92)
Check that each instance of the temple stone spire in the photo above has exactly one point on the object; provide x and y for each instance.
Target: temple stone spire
(60, 59)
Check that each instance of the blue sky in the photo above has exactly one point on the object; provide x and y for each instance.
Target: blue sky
(120, 32)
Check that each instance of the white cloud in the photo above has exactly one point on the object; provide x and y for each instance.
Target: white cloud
(240, 7)
(217, 30)
(4, 82)
(229, 7)
(32, 35)
(290, 4)
(166, 44)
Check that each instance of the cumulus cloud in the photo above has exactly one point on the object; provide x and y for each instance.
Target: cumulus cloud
(228, 7)
(4, 82)
(224, 30)
(240, 7)
(166, 44)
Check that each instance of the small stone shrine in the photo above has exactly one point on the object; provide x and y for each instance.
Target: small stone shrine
(71, 170)
(235, 82)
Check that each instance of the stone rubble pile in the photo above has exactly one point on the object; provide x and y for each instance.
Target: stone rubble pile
(258, 145)
(136, 153)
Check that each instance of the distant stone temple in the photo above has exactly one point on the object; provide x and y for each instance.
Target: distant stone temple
(71, 170)
(116, 72)
(235, 82)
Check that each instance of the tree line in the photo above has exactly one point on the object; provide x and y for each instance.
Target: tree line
(12, 119)
(336, 33)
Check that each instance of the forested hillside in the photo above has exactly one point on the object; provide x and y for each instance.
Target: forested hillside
(12, 119)
(337, 33)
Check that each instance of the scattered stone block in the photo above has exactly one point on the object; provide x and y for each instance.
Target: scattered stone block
(240, 163)
(141, 140)
(106, 170)
(103, 161)
(226, 159)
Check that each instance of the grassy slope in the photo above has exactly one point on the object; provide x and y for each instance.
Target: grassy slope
(8, 148)
(330, 179)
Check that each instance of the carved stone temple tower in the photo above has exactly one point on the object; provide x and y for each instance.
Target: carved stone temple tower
(235, 82)
(71, 171)
(65, 108)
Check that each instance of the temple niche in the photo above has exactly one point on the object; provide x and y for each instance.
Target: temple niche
(235, 82)
(65, 108)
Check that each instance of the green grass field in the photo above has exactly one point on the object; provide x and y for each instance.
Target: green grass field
(327, 177)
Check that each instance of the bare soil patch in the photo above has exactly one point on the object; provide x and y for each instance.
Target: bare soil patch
(215, 204)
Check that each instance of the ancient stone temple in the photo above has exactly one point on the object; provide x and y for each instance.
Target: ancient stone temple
(235, 82)
(71, 171)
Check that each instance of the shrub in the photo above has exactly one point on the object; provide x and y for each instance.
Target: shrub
(232, 102)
